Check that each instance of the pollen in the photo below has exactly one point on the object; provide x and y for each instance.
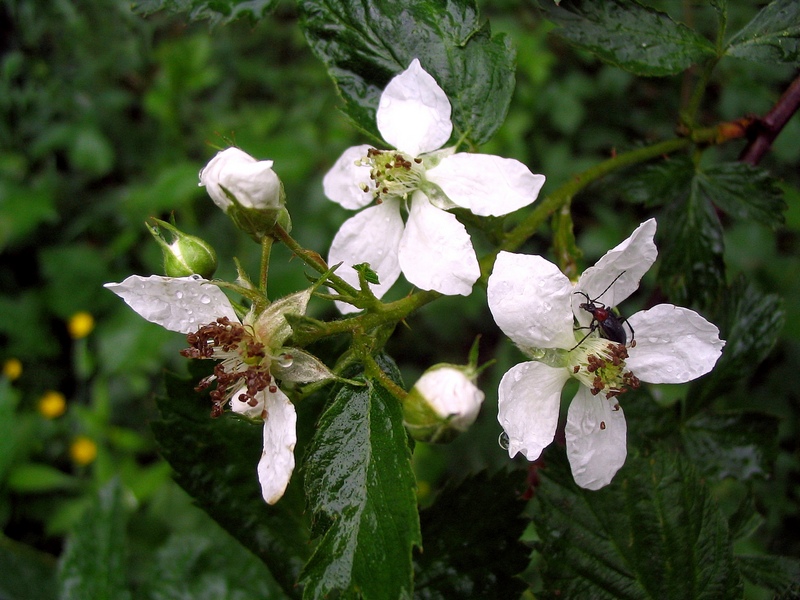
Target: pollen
(393, 174)
(600, 365)
(243, 369)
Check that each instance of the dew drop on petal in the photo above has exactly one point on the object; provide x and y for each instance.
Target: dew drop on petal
(179, 295)
(503, 441)
(205, 299)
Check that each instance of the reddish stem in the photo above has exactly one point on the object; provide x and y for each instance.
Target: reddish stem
(764, 131)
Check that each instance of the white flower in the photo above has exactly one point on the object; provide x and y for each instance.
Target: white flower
(537, 307)
(252, 182)
(443, 403)
(433, 250)
(252, 357)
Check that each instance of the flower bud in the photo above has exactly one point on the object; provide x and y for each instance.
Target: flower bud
(186, 254)
(444, 402)
(248, 190)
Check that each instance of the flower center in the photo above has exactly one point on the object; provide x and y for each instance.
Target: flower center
(393, 173)
(600, 365)
(244, 362)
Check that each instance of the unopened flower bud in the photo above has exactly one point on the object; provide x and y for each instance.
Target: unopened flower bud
(443, 403)
(185, 254)
(248, 190)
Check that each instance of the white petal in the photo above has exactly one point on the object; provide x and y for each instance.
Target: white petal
(596, 439)
(280, 436)
(634, 257)
(414, 112)
(486, 184)
(343, 183)
(372, 236)
(530, 300)
(436, 252)
(673, 345)
(529, 400)
(179, 304)
(244, 408)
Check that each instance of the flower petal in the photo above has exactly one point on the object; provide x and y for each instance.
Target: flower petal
(673, 345)
(530, 300)
(343, 182)
(529, 400)
(179, 304)
(486, 184)
(372, 236)
(280, 436)
(244, 408)
(633, 257)
(436, 252)
(414, 112)
(596, 435)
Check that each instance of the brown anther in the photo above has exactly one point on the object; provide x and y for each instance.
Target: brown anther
(418, 160)
(602, 425)
(576, 368)
(273, 389)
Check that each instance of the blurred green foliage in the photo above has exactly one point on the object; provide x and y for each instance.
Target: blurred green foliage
(106, 118)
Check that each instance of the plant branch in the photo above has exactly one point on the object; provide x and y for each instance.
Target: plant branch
(764, 131)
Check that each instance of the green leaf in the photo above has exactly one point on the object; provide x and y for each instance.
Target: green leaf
(750, 323)
(773, 36)
(631, 36)
(207, 565)
(654, 532)
(27, 574)
(361, 488)
(690, 242)
(744, 192)
(471, 540)
(93, 563)
(364, 44)
(740, 445)
(776, 573)
(215, 462)
(35, 477)
(216, 11)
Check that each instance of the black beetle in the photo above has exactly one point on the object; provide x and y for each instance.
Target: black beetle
(605, 320)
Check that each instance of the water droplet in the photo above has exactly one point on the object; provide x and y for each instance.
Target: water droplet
(285, 360)
(196, 277)
(179, 295)
(503, 441)
(205, 299)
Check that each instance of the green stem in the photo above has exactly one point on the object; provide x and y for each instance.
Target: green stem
(266, 249)
(313, 260)
(373, 370)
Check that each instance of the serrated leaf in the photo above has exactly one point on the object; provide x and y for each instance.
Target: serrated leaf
(750, 322)
(776, 573)
(215, 460)
(654, 532)
(634, 37)
(364, 44)
(93, 563)
(361, 488)
(216, 11)
(740, 445)
(744, 192)
(773, 36)
(690, 243)
(471, 546)
(27, 574)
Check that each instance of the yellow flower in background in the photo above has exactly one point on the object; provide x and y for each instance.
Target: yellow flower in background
(52, 404)
(12, 369)
(80, 325)
(83, 450)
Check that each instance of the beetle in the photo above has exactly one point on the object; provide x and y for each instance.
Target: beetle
(606, 320)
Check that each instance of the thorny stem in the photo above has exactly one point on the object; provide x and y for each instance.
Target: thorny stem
(373, 370)
(313, 260)
(765, 130)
